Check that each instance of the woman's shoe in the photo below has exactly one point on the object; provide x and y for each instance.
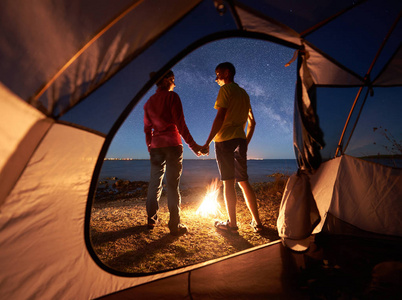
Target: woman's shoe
(256, 228)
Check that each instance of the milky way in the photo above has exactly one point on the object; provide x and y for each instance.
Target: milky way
(260, 70)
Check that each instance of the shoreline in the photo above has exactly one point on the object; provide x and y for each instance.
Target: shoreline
(113, 188)
(196, 173)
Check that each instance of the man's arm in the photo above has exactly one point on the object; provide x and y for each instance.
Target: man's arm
(217, 125)
(250, 126)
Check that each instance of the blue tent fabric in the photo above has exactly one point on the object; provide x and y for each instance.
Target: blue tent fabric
(72, 71)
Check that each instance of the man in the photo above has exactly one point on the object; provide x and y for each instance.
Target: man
(231, 142)
(164, 125)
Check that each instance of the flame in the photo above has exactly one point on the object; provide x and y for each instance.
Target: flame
(210, 206)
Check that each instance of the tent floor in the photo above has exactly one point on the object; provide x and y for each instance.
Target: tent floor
(334, 267)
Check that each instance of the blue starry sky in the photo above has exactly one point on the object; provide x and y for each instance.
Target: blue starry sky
(260, 70)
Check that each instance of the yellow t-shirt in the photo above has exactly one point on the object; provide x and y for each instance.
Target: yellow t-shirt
(237, 102)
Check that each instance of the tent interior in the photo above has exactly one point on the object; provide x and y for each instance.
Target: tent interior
(71, 74)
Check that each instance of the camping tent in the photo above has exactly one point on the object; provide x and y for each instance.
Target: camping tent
(57, 57)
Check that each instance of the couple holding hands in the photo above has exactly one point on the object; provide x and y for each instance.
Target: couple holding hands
(164, 126)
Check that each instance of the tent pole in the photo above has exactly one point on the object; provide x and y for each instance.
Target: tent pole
(367, 82)
(86, 46)
(235, 14)
(347, 122)
(331, 18)
(358, 117)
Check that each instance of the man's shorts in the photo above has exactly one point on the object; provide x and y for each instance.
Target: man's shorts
(231, 157)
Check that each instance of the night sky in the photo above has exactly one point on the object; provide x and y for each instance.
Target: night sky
(260, 70)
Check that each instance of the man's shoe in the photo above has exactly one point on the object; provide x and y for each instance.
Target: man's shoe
(181, 229)
(225, 226)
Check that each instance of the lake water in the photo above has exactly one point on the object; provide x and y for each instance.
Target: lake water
(197, 172)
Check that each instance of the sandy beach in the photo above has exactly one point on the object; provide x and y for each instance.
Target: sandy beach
(122, 241)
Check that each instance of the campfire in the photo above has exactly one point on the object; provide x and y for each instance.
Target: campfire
(210, 206)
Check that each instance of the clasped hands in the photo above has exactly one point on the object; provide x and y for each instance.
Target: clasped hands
(201, 150)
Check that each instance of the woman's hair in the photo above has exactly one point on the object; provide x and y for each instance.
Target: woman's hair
(167, 75)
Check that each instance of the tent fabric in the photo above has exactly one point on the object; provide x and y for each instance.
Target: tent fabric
(128, 86)
(363, 194)
(322, 185)
(325, 270)
(372, 193)
(392, 71)
(21, 130)
(326, 72)
(297, 218)
(70, 74)
(42, 224)
(78, 25)
(359, 193)
(272, 268)
(251, 22)
(308, 136)
(298, 213)
(17, 119)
